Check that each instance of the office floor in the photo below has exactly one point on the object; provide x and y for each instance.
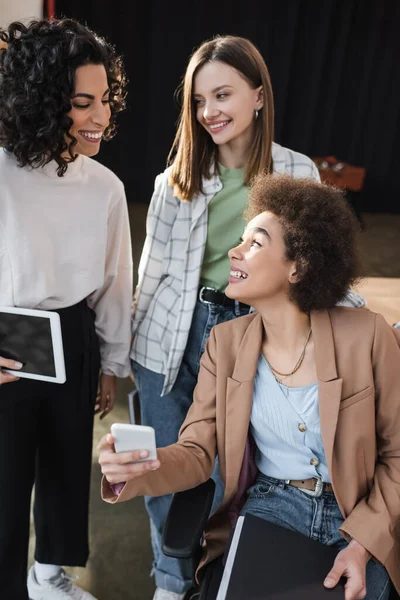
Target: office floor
(120, 561)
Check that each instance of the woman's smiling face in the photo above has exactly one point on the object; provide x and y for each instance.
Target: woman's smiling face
(225, 102)
(259, 267)
(91, 110)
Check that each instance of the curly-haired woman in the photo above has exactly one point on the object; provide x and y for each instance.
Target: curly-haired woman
(312, 387)
(224, 139)
(64, 246)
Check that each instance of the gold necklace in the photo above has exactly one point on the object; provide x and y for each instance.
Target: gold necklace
(297, 365)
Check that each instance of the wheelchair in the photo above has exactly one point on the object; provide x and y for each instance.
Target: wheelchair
(183, 534)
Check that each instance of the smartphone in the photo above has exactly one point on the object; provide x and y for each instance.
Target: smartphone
(134, 437)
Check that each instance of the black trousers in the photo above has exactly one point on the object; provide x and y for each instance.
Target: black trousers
(46, 435)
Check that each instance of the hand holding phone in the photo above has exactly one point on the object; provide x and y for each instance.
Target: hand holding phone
(120, 454)
(128, 438)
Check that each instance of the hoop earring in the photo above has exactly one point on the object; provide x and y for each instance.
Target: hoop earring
(256, 113)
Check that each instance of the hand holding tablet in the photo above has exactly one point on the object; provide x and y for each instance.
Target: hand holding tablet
(33, 338)
(6, 363)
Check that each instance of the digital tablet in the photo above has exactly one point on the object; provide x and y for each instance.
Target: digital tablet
(33, 337)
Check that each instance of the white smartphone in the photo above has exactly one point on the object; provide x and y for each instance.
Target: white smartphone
(134, 437)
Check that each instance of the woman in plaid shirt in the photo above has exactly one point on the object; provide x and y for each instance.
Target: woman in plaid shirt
(224, 139)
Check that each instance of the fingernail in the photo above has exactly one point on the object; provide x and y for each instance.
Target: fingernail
(18, 365)
(329, 581)
(143, 454)
(154, 466)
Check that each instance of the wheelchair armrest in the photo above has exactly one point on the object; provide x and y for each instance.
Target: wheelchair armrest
(186, 521)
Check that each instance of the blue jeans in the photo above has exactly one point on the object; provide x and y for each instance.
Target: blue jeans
(316, 517)
(166, 414)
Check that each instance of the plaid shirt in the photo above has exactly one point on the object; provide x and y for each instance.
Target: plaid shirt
(170, 266)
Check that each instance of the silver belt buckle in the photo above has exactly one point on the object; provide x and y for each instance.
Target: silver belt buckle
(319, 487)
(203, 289)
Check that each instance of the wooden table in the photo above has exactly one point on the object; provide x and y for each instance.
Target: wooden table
(383, 296)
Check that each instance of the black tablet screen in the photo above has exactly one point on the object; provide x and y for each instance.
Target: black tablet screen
(28, 340)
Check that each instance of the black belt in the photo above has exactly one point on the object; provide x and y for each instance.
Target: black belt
(208, 295)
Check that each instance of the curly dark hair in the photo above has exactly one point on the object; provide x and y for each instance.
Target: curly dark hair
(319, 232)
(37, 78)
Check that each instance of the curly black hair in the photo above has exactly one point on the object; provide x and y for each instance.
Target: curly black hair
(37, 78)
(319, 232)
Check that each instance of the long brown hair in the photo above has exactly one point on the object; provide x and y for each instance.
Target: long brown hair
(193, 153)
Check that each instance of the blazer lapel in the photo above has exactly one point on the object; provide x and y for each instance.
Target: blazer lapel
(329, 384)
(240, 389)
(239, 399)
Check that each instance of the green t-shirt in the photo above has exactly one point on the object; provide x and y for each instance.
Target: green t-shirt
(225, 227)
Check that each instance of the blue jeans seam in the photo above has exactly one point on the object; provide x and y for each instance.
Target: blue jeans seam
(384, 589)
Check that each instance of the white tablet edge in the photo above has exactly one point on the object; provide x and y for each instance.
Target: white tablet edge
(58, 348)
(56, 340)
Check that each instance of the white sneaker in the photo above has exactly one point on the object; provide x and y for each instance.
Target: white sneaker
(161, 594)
(60, 587)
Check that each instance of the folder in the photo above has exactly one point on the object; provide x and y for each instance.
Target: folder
(268, 562)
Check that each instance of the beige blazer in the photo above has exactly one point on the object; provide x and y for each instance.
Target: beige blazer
(358, 369)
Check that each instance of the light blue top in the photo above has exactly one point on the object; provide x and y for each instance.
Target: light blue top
(285, 425)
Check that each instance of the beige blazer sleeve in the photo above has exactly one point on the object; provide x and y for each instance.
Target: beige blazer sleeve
(381, 509)
(190, 461)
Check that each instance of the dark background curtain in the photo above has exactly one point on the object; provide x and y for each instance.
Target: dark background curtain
(334, 66)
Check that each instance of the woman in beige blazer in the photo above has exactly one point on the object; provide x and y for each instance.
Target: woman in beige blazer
(294, 263)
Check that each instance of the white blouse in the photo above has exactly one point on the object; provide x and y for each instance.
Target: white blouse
(63, 239)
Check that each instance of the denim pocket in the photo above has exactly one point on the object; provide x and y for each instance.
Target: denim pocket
(261, 490)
